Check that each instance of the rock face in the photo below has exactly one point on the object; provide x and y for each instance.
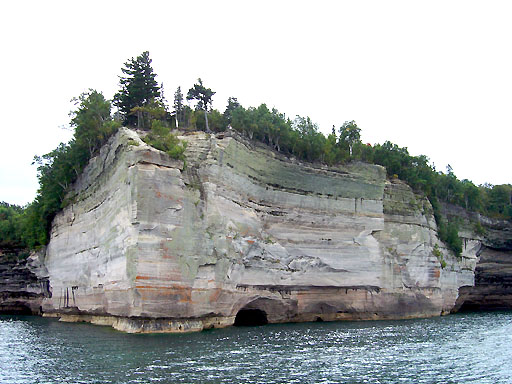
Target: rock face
(23, 282)
(151, 244)
(493, 272)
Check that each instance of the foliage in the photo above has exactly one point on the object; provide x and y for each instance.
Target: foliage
(58, 169)
(161, 138)
(232, 105)
(350, 134)
(449, 233)
(178, 106)
(153, 110)
(437, 253)
(479, 229)
(92, 123)
(138, 89)
(11, 226)
(202, 94)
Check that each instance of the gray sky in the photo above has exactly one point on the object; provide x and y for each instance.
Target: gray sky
(433, 76)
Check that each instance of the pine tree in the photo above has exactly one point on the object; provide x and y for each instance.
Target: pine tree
(178, 106)
(138, 89)
(203, 96)
(232, 105)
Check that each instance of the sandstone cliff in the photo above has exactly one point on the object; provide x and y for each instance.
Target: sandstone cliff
(23, 282)
(493, 272)
(152, 244)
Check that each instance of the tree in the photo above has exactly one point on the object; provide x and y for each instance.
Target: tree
(330, 153)
(350, 134)
(232, 105)
(311, 142)
(203, 96)
(11, 231)
(153, 110)
(92, 120)
(178, 106)
(138, 88)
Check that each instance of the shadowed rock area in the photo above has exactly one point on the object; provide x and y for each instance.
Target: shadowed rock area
(250, 317)
(23, 282)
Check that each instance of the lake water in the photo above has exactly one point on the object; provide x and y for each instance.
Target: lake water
(462, 348)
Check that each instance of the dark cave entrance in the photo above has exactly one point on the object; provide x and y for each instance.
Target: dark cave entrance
(15, 309)
(250, 317)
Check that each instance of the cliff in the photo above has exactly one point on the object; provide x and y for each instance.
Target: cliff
(23, 282)
(493, 272)
(239, 233)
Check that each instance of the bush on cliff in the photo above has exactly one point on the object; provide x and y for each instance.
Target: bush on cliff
(161, 138)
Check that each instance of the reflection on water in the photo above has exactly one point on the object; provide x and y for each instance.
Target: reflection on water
(463, 348)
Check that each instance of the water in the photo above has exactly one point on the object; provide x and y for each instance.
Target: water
(463, 348)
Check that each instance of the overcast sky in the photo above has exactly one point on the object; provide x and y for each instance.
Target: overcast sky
(434, 76)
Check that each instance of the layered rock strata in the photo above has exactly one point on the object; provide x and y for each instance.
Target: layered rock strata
(23, 282)
(493, 272)
(152, 244)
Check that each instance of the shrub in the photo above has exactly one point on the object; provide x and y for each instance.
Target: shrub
(161, 138)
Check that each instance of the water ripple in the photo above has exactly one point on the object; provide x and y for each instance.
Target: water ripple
(465, 348)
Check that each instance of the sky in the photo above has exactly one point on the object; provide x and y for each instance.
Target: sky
(435, 77)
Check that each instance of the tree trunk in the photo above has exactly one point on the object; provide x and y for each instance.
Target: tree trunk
(206, 119)
(139, 119)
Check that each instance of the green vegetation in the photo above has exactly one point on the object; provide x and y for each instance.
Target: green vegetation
(203, 96)
(479, 229)
(437, 253)
(58, 169)
(139, 89)
(161, 138)
(140, 102)
(11, 228)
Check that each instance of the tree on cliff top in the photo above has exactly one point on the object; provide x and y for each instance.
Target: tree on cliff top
(203, 96)
(178, 106)
(138, 88)
(350, 134)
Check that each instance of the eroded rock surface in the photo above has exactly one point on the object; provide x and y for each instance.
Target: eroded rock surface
(151, 244)
(23, 282)
(493, 272)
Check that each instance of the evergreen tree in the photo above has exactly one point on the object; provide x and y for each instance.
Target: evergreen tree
(138, 89)
(232, 105)
(178, 106)
(203, 96)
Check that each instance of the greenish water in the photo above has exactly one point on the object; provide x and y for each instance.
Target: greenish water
(463, 348)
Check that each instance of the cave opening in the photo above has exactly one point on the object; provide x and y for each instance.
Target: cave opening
(15, 309)
(250, 317)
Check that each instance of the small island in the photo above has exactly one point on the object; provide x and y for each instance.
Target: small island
(151, 221)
